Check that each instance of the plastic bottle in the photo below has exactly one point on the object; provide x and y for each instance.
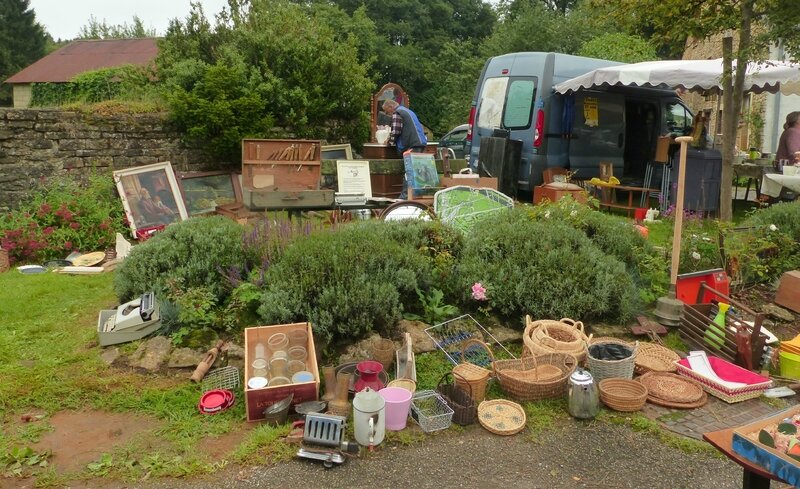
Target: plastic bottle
(715, 334)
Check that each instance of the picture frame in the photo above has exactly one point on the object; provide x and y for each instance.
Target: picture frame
(336, 152)
(150, 196)
(202, 192)
(353, 177)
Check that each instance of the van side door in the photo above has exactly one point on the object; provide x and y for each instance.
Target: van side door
(598, 133)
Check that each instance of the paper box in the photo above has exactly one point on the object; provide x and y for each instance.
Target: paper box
(778, 463)
(257, 400)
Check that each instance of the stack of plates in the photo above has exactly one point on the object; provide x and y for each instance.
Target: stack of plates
(671, 390)
(215, 401)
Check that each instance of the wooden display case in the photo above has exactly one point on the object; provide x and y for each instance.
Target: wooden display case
(281, 164)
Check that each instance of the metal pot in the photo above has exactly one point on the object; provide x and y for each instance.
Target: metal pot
(584, 399)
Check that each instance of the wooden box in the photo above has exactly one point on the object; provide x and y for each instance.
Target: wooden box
(303, 199)
(552, 194)
(774, 461)
(257, 400)
(281, 164)
(375, 151)
(474, 181)
(387, 185)
(788, 294)
(237, 212)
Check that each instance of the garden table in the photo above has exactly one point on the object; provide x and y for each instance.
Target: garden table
(754, 476)
(773, 183)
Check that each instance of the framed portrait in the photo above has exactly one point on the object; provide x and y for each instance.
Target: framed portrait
(336, 152)
(203, 191)
(150, 196)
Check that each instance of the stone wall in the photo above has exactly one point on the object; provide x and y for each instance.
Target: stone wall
(37, 143)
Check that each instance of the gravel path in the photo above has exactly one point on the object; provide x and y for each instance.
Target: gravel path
(578, 455)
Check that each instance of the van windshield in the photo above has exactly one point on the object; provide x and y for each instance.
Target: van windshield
(506, 103)
(679, 119)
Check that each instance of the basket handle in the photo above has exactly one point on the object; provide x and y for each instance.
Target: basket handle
(446, 374)
(575, 324)
(476, 341)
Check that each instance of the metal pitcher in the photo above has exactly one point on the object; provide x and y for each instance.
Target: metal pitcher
(584, 398)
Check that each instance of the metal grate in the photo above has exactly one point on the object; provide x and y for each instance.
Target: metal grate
(324, 429)
(221, 378)
(452, 336)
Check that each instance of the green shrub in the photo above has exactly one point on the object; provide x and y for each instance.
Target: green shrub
(766, 245)
(126, 82)
(546, 269)
(188, 254)
(351, 281)
(615, 236)
(62, 216)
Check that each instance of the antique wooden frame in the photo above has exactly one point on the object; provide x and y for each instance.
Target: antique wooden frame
(226, 186)
(336, 149)
(159, 180)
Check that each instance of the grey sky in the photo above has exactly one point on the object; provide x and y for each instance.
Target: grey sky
(63, 19)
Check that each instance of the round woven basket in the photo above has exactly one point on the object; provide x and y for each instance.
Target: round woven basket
(406, 384)
(532, 378)
(651, 357)
(550, 336)
(623, 394)
(611, 369)
(501, 417)
(671, 388)
(470, 377)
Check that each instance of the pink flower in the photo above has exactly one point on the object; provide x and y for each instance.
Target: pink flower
(478, 292)
(48, 230)
(74, 225)
(68, 245)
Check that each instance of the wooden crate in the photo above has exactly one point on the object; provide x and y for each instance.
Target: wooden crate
(257, 400)
(236, 211)
(542, 192)
(474, 181)
(281, 164)
(788, 294)
(772, 460)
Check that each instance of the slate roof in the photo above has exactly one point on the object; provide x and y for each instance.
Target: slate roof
(87, 55)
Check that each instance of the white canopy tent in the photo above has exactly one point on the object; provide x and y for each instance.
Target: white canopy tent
(694, 75)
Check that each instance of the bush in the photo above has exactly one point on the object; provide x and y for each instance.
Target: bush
(65, 215)
(767, 244)
(546, 269)
(354, 280)
(615, 236)
(185, 255)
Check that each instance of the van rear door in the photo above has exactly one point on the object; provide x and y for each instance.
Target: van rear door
(598, 133)
(506, 103)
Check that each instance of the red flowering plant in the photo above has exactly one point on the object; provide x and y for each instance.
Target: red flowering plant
(62, 216)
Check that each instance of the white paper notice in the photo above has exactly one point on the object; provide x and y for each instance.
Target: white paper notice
(353, 177)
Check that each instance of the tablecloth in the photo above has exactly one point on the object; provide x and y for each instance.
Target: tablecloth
(773, 183)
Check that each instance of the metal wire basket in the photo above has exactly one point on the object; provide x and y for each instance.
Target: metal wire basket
(454, 337)
(221, 378)
(462, 206)
(430, 411)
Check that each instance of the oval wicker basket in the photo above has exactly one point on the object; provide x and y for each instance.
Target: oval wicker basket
(532, 378)
(612, 369)
(623, 394)
(406, 384)
(550, 336)
(651, 357)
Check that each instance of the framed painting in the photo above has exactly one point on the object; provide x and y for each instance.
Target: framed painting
(203, 191)
(336, 152)
(150, 196)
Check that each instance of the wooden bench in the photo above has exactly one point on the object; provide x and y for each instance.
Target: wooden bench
(608, 197)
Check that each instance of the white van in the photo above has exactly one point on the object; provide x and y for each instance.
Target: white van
(514, 96)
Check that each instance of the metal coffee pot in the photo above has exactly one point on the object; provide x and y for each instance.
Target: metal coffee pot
(584, 398)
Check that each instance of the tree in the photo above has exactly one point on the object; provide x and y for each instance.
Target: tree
(619, 47)
(267, 67)
(22, 41)
(102, 30)
(753, 24)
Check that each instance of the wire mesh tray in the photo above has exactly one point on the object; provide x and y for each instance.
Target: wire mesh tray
(221, 378)
(452, 337)
(430, 411)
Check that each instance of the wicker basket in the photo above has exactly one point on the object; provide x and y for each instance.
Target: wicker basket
(383, 351)
(549, 336)
(623, 394)
(5, 264)
(431, 411)
(536, 377)
(651, 357)
(406, 384)
(612, 369)
(462, 404)
(470, 377)
(502, 417)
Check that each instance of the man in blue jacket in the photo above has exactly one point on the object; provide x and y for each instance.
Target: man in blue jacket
(407, 133)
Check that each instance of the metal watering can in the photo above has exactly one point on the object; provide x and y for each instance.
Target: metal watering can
(369, 417)
(584, 398)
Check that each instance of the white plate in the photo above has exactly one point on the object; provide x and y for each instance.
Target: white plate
(257, 382)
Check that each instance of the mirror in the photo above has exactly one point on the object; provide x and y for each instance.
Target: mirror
(378, 116)
(406, 210)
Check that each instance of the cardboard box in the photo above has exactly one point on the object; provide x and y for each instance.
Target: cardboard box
(257, 400)
(788, 294)
(555, 194)
(774, 461)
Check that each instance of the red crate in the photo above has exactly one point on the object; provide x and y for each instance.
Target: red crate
(257, 400)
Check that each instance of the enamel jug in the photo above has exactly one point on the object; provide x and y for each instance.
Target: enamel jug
(369, 417)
